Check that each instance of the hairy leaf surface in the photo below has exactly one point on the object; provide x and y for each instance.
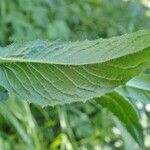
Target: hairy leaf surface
(50, 73)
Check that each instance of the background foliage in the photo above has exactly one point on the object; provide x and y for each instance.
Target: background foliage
(77, 126)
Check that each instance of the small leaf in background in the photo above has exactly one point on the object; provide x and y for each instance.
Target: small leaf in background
(125, 112)
(137, 89)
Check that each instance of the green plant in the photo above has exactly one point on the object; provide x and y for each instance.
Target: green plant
(52, 19)
(52, 73)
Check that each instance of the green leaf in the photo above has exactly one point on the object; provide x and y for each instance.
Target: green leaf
(137, 89)
(125, 112)
(51, 73)
(3, 94)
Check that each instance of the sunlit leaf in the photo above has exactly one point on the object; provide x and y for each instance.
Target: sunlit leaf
(52, 73)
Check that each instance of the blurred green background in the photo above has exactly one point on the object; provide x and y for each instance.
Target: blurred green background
(79, 126)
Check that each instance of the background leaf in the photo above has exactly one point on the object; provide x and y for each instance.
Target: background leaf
(125, 112)
(137, 89)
